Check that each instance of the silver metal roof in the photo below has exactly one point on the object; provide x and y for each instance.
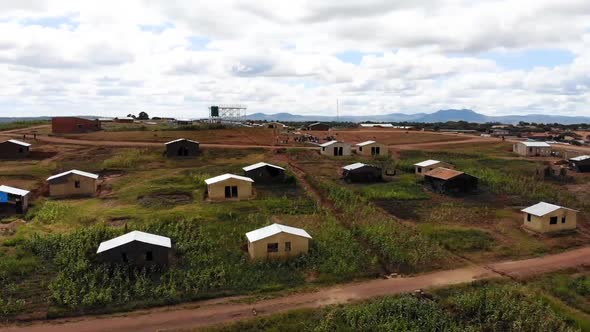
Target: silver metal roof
(74, 171)
(13, 191)
(542, 208)
(227, 176)
(261, 164)
(427, 163)
(156, 240)
(274, 229)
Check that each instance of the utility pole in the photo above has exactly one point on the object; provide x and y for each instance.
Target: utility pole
(337, 110)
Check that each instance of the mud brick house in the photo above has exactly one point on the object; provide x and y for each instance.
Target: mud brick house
(73, 183)
(13, 200)
(182, 147)
(359, 172)
(371, 148)
(265, 173)
(229, 187)
(73, 125)
(13, 149)
(545, 217)
(450, 181)
(277, 241)
(136, 248)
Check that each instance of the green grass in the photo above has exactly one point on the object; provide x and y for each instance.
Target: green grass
(458, 239)
(21, 124)
(403, 187)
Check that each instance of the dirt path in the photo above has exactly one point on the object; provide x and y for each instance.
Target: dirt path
(225, 310)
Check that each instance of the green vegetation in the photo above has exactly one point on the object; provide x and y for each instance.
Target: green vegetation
(573, 290)
(129, 158)
(458, 239)
(21, 124)
(483, 307)
(403, 187)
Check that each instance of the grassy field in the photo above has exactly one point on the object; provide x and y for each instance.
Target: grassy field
(487, 306)
(21, 124)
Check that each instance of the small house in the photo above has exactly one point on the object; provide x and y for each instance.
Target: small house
(428, 165)
(182, 147)
(73, 183)
(136, 248)
(265, 173)
(359, 172)
(14, 149)
(335, 148)
(532, 149)
(544, 217)
(318, 127)
(450, 181)
(274, 125)
(13, 200)
(580, 163)
(126, 119)
(73, 125)
(229, 187)
(371, 148)
(277, 240)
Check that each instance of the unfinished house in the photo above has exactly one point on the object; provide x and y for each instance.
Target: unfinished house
(277, 241)
(580, 164)
(545, 217)
(229, 187)
(73, 125)
(182, 147)
(14, 149)
(335, 149)
(72, 184)
(532, 149)
(428, 165)
(13, 200)
(359, 172)
(449, 181)
(265, 173)
(371, 148)
(136, 248)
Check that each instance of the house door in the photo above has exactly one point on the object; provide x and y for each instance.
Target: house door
(335, 151)
(182, 151)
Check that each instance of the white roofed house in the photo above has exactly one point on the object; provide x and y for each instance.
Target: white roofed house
(277, 240)
(371, 148)
(136, 248)
(335, 148)
(359, 172)
(229, 187)
(14, 149)
(182, 147)
(532, 149)
(545, 217)
(13, 200)
(428, 165)
(73, 183)
(265, 173)
(580, 163)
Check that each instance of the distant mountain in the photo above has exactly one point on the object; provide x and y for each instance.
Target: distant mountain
(439, 116)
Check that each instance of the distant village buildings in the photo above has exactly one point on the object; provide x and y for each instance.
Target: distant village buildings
(73, 125)
(532, 149)
(318, 127)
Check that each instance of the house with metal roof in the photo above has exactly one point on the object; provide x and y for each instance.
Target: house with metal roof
(136, 248)
(276, 241)
(580, 163)
(73, 183)
(360, 172)
(14, 149)
(532, 149)
(182, 147)
(371, 148)
(428, 165)
(229, 187)
(545, 217)
(265, 173)
(335, 148)
(449, 181)
(13, 200)
(318, 127)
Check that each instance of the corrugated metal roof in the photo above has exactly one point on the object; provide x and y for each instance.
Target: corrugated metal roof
(14, 141)
(182, 139)
(536, 144)
(542, 208)
(443, 173)
(354, 166)
(580, 158)
(261, 164)
(274, 229)
(366, 143)
(227, 176)
(13, 191)
(74, 171)
(427, 163)
(148, 238)
(328, 143)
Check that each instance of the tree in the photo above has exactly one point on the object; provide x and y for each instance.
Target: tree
(143, 116)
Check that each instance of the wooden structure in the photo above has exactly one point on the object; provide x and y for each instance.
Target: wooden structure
(182, 148)
(428, 165)
(277, 241)
(371, 148)
(14, 149)
(450, 181)
(229, 187)
(13, 200)
(265, 173)
(532, 149)
(545, 217)
(73, 183)
(73, 125)
(580, 163)
(359, 172)
(136, 248)
(335, 149)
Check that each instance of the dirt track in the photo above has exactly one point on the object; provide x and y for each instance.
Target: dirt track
(225, 310)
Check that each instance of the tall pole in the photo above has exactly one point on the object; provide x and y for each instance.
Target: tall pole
(337, 110)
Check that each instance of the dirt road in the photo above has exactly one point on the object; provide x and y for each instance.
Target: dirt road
(207, 313)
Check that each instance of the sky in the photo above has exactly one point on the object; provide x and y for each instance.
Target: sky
(178, 57)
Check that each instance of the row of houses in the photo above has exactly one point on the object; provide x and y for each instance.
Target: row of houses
(338, 148)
